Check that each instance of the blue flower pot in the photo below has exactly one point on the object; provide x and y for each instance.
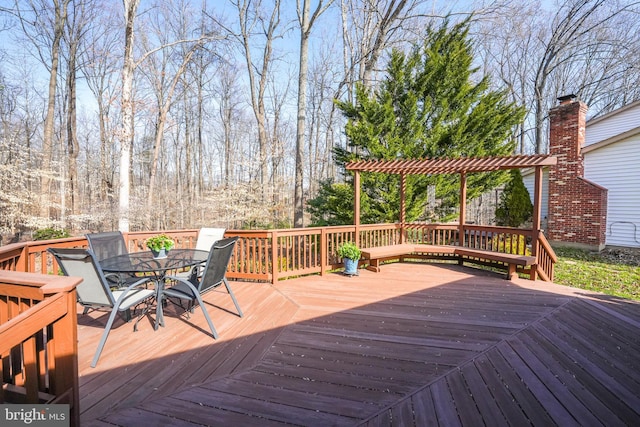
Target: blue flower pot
(162, 253)
(350, 267)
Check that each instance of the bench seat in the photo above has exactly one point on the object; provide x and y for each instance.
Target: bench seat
(381, 253)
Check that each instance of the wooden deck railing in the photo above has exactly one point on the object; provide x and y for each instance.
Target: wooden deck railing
(38, 340)
(546, 258)
(272, 255)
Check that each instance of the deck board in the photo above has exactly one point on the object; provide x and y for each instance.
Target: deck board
(416, 344)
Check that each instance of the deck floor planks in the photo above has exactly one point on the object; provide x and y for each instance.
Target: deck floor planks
(297, 398)
(402, 413)
(445, 405)
(541, 393)
(339, 394)
(566, 373)
(322, 385)
(152, 373)
(360, 320)
(585, 352)
(214, 401)
(594, 387)
(424, 410)
(499, 391)
(464, 402)
(182, 409)
(412, 352)
(369, 349)
(532, 408)
(124, 379)
(595, 374)
(380, 367)
(245, 350)
(481, 394)
(619, 343)
(547, 373)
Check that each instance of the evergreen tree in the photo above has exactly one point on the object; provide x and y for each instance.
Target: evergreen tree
(428, 106)
(515, 206)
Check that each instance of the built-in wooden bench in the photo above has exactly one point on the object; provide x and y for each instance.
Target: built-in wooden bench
(382, 253)
(512, 260)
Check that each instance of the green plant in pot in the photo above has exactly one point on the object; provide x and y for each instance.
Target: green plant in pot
(350, 254)
(160, 245)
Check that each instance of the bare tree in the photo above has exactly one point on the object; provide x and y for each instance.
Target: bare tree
(255, 20)
(76, 24)
(166, 67)
(306, 19)
(43, 22)
(228, 114)
(583, 47)
(99, 66)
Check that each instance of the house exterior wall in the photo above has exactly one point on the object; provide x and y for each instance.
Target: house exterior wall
(611, 161)
(577, 207)
(612, 124)
(615, 167)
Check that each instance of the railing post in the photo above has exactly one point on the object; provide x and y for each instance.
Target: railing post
(274, 257)
(65, 375)
(23, 261)
(324, 251)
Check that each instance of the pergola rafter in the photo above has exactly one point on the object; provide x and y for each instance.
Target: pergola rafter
(462, 166)
(445, 166)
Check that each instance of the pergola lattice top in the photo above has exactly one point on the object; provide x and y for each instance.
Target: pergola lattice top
(445, 166)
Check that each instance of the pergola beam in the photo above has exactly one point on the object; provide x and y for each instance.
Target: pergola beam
(445, 166)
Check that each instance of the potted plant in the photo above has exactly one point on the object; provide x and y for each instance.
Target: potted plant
(160, 245)
(350, 253)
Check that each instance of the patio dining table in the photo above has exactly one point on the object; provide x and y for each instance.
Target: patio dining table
(144, 264)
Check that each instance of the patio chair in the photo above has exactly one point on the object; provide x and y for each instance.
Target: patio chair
(107, 245)
(94, 291)
(213, 276)
(206, 238)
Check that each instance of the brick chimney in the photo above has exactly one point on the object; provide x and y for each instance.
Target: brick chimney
(577, 207)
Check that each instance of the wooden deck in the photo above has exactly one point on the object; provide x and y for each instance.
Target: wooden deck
(416, 344)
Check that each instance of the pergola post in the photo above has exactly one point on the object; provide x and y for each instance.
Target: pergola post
(356, 206)
(463, 208)
(537, 213)
(403, 188)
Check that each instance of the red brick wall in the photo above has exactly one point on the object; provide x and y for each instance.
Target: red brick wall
(577, 207)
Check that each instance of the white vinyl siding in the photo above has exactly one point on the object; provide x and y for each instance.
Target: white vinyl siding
(610, 126)
(617, 168)
(528, 180)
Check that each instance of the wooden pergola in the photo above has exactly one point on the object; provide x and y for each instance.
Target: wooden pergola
(462, 166)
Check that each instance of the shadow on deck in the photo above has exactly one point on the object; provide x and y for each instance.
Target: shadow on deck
(416, 344)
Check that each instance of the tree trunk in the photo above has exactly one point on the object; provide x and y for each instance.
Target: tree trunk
(47, 138)
(126, 133)
(306, 21)
(298, 213)
(164, 107)
(73, 148)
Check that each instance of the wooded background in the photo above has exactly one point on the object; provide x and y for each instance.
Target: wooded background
(222, 112)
